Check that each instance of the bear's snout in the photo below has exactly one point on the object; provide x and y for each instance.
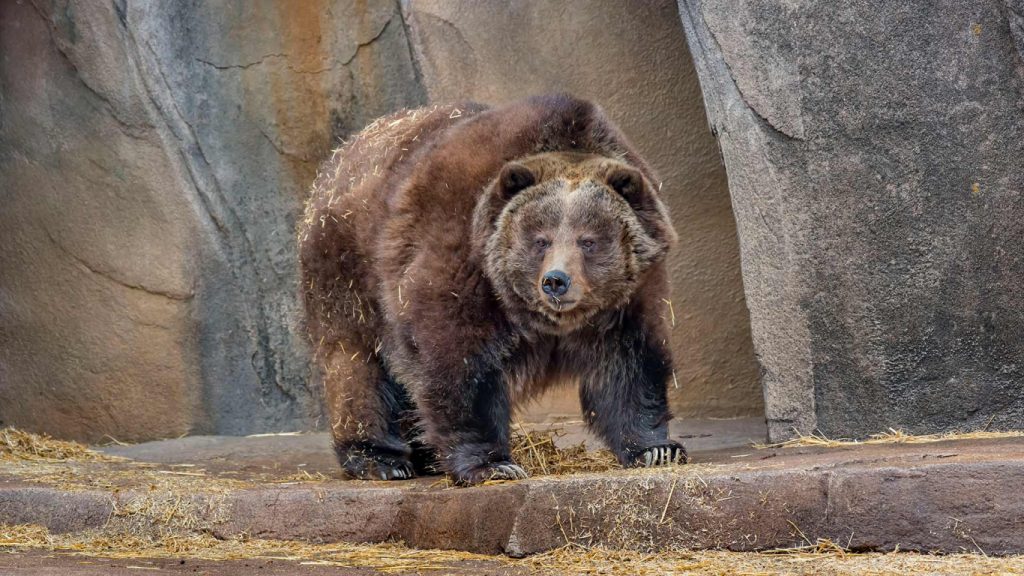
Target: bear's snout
(556, 283)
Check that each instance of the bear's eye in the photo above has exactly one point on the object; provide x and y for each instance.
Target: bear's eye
(588, 244)
(541, 243)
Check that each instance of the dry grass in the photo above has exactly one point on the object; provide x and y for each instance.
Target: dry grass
(72, 466)
(538, 454)
(19, 445)
(387, 558)
(395, 558)
(890, 437)
(718, 562)
(301, 476)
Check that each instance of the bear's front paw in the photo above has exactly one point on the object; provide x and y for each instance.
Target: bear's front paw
(505, 470)
(661, 455)
(377, 467)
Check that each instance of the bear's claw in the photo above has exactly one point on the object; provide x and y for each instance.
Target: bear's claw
(672, 453)
(401, 472)
(509, 472)
(492, 471)
(359, 464)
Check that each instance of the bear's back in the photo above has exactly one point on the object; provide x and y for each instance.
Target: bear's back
(347, 211)
(392, 211)
(354, 185)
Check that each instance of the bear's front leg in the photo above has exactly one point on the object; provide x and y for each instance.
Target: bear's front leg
(623, 395)
(466, 415)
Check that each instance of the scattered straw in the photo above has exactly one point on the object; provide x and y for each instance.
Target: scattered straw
(394, 558)
(19, 445)
(23, 535)
(538, 454)
(827, 560)
(386, 558)
(891, 437)
(302, 476)
(671, 310)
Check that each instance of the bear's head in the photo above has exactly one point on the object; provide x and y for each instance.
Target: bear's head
(564, 236)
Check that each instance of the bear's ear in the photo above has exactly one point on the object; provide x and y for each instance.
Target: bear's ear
(629, 183)
(515, 178)
(512, 179)
(653, 216)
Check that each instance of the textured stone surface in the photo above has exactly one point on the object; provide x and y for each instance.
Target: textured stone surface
(311, 514)
(632, 59)
(58, 510)
(947, 496)
(153, 158)
(875, 153)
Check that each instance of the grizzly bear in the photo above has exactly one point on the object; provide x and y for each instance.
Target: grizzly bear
(458, 259)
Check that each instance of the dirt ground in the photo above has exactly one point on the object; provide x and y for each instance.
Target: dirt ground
(559, 563)
(56, 564)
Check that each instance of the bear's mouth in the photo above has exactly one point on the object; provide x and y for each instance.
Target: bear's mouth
(560, 304)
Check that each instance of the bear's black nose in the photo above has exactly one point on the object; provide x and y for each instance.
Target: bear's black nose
(556, 283)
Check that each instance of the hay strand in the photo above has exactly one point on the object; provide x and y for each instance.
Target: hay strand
(538, 453)
(17, 444)
(825, 557)
(893, 436)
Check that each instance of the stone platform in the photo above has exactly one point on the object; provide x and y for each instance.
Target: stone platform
(952, 496)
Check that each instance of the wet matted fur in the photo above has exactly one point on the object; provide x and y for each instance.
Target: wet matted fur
(424, 248)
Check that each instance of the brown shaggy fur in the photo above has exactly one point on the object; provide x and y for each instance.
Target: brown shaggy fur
(424, 248)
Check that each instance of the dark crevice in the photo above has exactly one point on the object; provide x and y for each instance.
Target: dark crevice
(265, 57)
(261, 60)
(373, 39)
(407, 29)
(280, 149)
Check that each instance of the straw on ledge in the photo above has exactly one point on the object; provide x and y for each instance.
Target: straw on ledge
(893, 436)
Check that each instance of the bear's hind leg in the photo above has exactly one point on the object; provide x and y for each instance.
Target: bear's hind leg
(366, 408)
(424, 456)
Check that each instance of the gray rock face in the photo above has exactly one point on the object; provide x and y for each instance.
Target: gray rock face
(153, 159)
(631, 58)
(875, 153)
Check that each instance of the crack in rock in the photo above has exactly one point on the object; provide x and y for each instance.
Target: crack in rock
(83, 263)
(262, 59)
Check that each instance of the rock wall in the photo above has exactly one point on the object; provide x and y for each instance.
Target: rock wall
(153, 159)
(631, 57)
(875, 153)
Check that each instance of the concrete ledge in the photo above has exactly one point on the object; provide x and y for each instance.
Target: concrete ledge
(949, 497)
(58, 510)
(313, 514)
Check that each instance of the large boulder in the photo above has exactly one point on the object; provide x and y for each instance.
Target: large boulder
(631, 58)
(153, 159)
(875, 152)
